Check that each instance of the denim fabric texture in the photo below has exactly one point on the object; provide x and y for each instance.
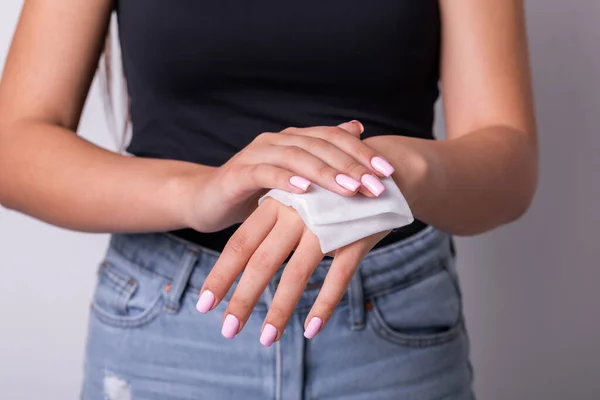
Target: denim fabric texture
(397, 334)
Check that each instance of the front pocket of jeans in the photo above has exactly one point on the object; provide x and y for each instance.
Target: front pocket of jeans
(426, 313)
(126, 299)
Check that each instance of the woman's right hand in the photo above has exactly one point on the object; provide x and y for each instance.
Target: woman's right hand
(332, 157)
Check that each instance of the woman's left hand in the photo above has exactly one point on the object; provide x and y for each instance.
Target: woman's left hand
(257, 250)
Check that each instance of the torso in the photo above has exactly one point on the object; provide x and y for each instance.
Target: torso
(205, 78)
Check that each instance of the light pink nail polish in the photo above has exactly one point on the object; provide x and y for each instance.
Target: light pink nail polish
(268, 335)
(205, 302)
(230, 326)
(382, 166)
(362, 127)
(313, 327)
(373, 184)
(346, 182)
(300, 182)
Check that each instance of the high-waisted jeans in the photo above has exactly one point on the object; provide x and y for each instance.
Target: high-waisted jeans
(397, 334)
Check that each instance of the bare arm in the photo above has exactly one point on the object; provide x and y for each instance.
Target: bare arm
(46, 170)
(485, 174)
(50, 173)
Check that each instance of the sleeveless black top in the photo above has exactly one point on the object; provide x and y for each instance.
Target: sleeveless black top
(206, 77)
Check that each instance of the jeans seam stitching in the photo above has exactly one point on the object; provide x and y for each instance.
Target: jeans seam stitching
(410, 280)
(124, 322)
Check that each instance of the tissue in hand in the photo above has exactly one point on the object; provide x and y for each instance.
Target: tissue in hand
(338, 221)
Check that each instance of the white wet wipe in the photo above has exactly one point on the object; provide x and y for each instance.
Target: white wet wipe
(338, 221)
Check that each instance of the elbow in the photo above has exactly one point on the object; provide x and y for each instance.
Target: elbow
(4, 202)
(517, 210)
(524, 198)
(512, 210)
(2, 177)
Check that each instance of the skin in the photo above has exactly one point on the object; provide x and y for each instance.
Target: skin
(486, 172)
(47, 76)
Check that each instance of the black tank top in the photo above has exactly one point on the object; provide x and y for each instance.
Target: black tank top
(206, 77)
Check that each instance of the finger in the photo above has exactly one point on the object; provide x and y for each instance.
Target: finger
(272, 177)
(353, 127)
(293, 282)
(337, 159)
(263, 264)
(235, 256)
(350, 144)
(244, 180)
(336, 282)
(311, 167)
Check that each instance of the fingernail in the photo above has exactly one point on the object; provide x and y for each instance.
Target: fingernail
(230, 326)
(313, 327)
(373, 184)
(346, 182)
(268, 335)
(362, 127)
(205, 302)
(382, 166)
(300, 182)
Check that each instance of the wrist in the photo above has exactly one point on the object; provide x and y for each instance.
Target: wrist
(414, 167)
(188, 191)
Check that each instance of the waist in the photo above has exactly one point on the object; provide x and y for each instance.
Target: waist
(383, 269)
(216, 241)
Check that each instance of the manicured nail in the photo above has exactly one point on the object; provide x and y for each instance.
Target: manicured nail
(362, 127)
(268, 335)
(382, 166)
(205, 302)
(348, 183)
(300, 182)
(313, 327)
(230, 326)
(372, 184)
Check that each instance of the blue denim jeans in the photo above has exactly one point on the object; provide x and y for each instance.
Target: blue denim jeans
(397, 334)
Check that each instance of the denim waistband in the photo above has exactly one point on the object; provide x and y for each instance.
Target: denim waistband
(382, 270)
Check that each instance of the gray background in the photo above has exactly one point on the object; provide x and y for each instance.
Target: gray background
(531, 288)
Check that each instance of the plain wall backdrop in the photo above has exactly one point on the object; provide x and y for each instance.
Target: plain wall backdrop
(531, 289)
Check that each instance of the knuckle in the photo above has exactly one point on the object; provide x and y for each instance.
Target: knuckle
(270, 202)
(278, 313)
(298, 274)
(364, 152)
(238, 244)
(273, 174)
(241, 305)
(289, 130)
(261, 261)
(327, 305)
(281, 176)
(313, 144)
(232, 171)
(291, 152)
(216, 278)
(324, 171)
(333, 134)
(289, 214)
(354, 168)
(265, 137)
(341, 275)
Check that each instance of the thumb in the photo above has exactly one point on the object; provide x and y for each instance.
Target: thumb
(353, 127)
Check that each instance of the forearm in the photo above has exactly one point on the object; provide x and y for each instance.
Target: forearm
(466, 185)
(51, 174)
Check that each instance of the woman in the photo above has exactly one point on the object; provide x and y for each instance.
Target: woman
(214, 89)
